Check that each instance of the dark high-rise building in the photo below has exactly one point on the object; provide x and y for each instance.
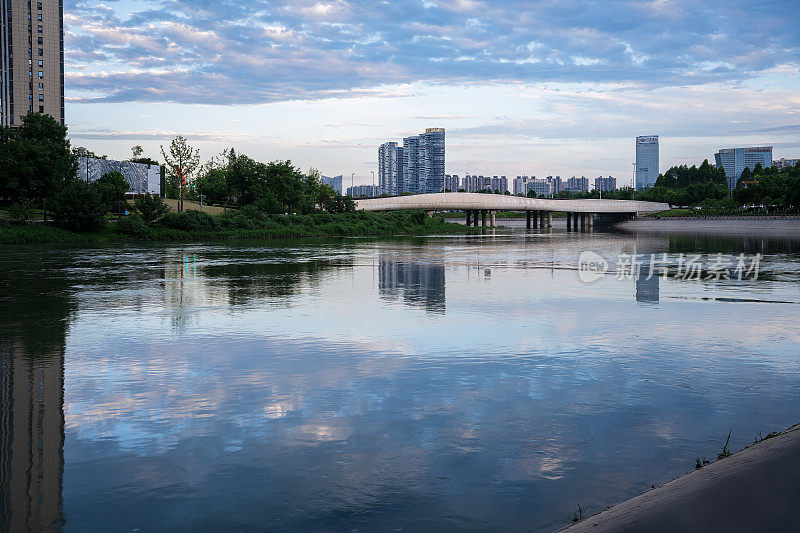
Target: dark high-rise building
(646, 161)
(31, 59)
(431, 167)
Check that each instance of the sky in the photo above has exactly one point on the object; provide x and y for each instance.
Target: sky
(558, 87)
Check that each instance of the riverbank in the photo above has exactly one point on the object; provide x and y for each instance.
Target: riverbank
(773, 227)
(754, 489)
(202, 227)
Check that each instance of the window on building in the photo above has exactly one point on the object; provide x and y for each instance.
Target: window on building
(39, 17)
(41, 62)
(39, 6)
(30, 97)
(41, 51)
(41, 98)
(41, 86)
(41, 74)
(40, 40)
(41, 109)
(40, 29)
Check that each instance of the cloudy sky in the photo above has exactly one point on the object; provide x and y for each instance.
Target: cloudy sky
(557, 87)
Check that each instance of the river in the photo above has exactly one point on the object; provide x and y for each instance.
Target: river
(439, 383)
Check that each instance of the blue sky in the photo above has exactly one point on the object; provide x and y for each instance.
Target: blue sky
(557, 87)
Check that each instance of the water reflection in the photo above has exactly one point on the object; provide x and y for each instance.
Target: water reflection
(417, 284)
(32, 347)
(253, 387)
(647, 286)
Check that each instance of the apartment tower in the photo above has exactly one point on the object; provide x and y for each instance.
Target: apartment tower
(31, 59)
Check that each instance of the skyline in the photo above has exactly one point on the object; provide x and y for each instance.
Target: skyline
(521, 88)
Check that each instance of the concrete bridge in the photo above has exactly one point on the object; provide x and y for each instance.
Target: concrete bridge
(538, 211)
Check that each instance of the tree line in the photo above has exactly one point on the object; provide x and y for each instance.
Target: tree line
(38, 173)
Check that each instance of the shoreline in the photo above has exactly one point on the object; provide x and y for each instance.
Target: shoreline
(753, 489)
(336, 226)
(756, 226)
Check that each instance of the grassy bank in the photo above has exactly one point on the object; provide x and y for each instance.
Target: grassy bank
(195, 226)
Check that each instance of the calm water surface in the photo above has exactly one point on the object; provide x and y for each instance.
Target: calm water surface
(417, 384)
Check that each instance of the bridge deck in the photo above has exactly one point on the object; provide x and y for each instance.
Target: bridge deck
(463, 201)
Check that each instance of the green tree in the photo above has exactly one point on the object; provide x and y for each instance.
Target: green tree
(78, 207)
(35, 158)
(179, 156)
(213, 185)
(137, 151)
(151, 207)
(111, 187)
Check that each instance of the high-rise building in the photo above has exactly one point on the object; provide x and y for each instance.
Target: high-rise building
(452, 183)
(519, 184)
(31, 60)
(735, 160)
(410, 181)
(357, 191)
(417, 167)
(390, 168)
(577, 184)
(605, 184)
(783, 162)
(646, 161)
(335, 182)
(431, 157)
(542, 188)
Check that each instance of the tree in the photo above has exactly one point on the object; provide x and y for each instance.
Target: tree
(111, 187)
(151, 207)
(35, 158)
(181, 159)
(213, 185)
(78, 207)
(137, 151)
(80, 151)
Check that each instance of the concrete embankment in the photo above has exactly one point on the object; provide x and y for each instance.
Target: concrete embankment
(755, 489)
(770, 227)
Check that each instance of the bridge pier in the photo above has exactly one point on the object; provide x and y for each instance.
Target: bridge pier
(549, 219)
(483, 218)
(492, 218)
(527, 220)
(542, 219)
(569, 221)
(583, 221)
(590, 220)
(468, 220)
(475, 218)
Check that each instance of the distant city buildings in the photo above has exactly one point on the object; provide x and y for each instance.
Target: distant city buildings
(646, 161)
(475, 183)
(783, 162)
(416, 167)
(605, 184)
(363, 190)
(335, 182)
(735, 160)
(577, 184)
(452, 183)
